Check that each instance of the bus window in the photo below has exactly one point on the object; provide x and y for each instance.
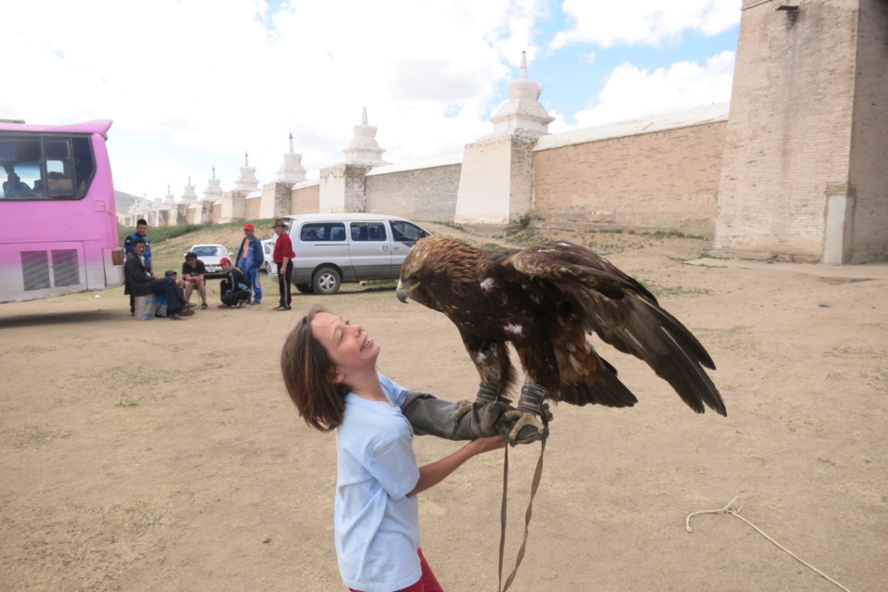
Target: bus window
(50, 167)
(84, 166)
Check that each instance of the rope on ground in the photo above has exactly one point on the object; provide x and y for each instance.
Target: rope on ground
(728, 509)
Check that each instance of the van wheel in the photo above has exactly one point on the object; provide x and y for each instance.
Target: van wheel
(326, 281)
(304, 288)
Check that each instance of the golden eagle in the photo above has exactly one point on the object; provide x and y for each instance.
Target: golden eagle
(545, 300)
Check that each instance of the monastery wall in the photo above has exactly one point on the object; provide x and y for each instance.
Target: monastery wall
(788, 141)
(427, 193)
(869, 136)
(252, 207)
(305, 198)
(666, 179)
(797, 170)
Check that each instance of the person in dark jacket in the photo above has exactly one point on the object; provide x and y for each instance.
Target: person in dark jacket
(141, 230)
(235, 288)
(140, 283)
(250, 257)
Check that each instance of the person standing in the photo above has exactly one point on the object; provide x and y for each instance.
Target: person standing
(250, 257)
(128, 244)
(141, 232)
(283, 258)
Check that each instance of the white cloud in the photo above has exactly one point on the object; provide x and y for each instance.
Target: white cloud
(644, 22)
(631, 92)
(223, 77)
(194, 83)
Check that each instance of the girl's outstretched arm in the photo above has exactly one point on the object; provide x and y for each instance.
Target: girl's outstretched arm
(433, 473)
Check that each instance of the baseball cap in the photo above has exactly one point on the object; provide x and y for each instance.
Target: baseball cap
(170, 272)
(248, 227)
(224, 260)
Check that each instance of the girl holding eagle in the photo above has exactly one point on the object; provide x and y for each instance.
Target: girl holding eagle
(329, 368)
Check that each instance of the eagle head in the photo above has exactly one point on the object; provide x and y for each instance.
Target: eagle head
(436, 261)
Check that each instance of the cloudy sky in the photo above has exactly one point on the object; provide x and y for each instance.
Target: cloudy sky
(193, 84)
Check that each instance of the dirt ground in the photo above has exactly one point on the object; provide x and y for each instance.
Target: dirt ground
(162, 456)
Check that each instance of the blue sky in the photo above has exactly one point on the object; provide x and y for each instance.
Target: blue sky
(193, 84)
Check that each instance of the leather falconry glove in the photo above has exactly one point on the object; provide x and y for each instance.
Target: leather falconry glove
(462, 420)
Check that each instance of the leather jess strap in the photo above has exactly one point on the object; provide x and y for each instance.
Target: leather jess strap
(537, 475)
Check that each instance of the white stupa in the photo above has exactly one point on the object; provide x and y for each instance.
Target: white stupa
(213, 192)
(247, 180)
(138, 205)
(188, 196)
(522, 113)
(291, 171)
(160, 203)
(364, 149)
(169, 199)
(147, 206)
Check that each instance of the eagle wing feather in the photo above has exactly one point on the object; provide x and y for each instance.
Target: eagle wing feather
(627, 316)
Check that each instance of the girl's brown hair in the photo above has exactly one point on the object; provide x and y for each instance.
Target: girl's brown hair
(307, 369)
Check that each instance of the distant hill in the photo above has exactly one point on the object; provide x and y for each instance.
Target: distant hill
(122, 201)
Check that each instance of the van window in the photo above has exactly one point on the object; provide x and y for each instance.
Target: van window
(367, 231)
(322, 231)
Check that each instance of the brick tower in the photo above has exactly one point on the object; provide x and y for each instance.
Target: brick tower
(805, 172)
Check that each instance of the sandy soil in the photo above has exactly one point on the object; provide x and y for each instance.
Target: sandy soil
(161, 456)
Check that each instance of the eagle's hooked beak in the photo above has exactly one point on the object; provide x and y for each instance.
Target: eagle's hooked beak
(403, 292)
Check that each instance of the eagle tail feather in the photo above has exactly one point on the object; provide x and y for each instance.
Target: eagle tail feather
(607, 390)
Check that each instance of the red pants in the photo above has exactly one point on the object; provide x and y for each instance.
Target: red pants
(427, 581)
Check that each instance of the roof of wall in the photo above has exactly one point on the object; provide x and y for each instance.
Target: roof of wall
(630, 127)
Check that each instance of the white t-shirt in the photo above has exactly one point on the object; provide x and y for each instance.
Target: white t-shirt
(377, 525)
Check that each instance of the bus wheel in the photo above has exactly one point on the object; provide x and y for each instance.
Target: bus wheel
(326, 281)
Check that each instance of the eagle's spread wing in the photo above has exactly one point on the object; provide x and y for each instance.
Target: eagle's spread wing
(544, 300)
(625, 315)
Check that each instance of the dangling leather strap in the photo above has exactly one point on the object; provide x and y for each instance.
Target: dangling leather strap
(537, 475)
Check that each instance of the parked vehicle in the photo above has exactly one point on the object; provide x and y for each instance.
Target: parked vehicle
(348, 247)
(268, 265)
(211, 255)
(58, 223)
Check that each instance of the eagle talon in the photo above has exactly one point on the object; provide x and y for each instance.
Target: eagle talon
(463, 406)
(526, 427)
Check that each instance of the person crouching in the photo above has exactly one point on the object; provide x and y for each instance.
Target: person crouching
(234, 287)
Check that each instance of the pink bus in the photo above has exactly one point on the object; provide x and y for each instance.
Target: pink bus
(58, 222)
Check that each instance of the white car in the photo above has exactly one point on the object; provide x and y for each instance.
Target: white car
(268, 265)
(211, 255)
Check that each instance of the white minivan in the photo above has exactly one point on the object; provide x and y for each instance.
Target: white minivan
(348, 247)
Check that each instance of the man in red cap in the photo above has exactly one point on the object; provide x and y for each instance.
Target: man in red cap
(250, 257)
(234, 288)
